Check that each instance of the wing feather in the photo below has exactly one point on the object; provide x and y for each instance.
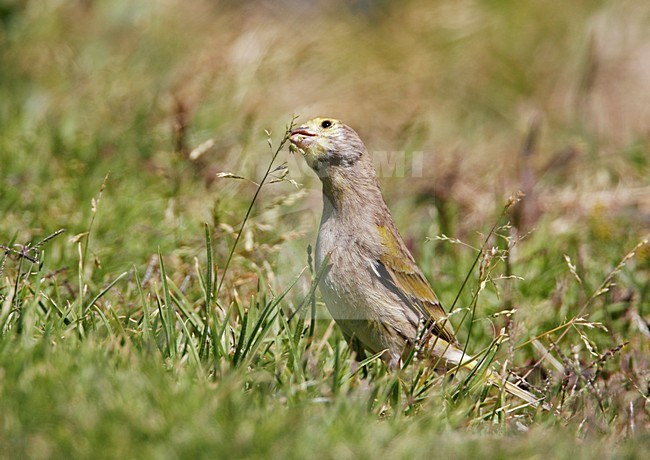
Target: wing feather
(398, 272)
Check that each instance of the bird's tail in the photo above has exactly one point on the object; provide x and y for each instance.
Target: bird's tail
(455, 357)
(513, 389)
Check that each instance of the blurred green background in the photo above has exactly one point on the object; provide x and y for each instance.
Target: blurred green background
(116, 116)
(90, 88)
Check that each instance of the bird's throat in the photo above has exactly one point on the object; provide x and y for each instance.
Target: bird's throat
(354, 199)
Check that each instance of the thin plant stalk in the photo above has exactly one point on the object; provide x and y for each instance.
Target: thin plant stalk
(285, 138)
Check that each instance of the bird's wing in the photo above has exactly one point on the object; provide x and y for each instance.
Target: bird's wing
(399, 273)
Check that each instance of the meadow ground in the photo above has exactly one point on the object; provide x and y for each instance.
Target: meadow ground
(138, 319)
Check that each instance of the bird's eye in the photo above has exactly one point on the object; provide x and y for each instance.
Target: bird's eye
(326, 124)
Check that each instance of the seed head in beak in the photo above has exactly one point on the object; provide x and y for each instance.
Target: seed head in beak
(302, 137)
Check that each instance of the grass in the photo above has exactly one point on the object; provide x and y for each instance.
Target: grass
(152, 307)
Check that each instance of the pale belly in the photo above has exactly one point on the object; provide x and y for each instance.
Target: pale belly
(358, 302)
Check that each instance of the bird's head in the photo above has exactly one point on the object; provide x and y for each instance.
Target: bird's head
(330, 147)
(340, 159)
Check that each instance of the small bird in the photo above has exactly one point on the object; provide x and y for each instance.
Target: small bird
(371, 284)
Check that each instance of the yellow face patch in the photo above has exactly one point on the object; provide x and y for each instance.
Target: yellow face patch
(314, 138)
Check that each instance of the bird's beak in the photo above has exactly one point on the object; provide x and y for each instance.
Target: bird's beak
(302, 137)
